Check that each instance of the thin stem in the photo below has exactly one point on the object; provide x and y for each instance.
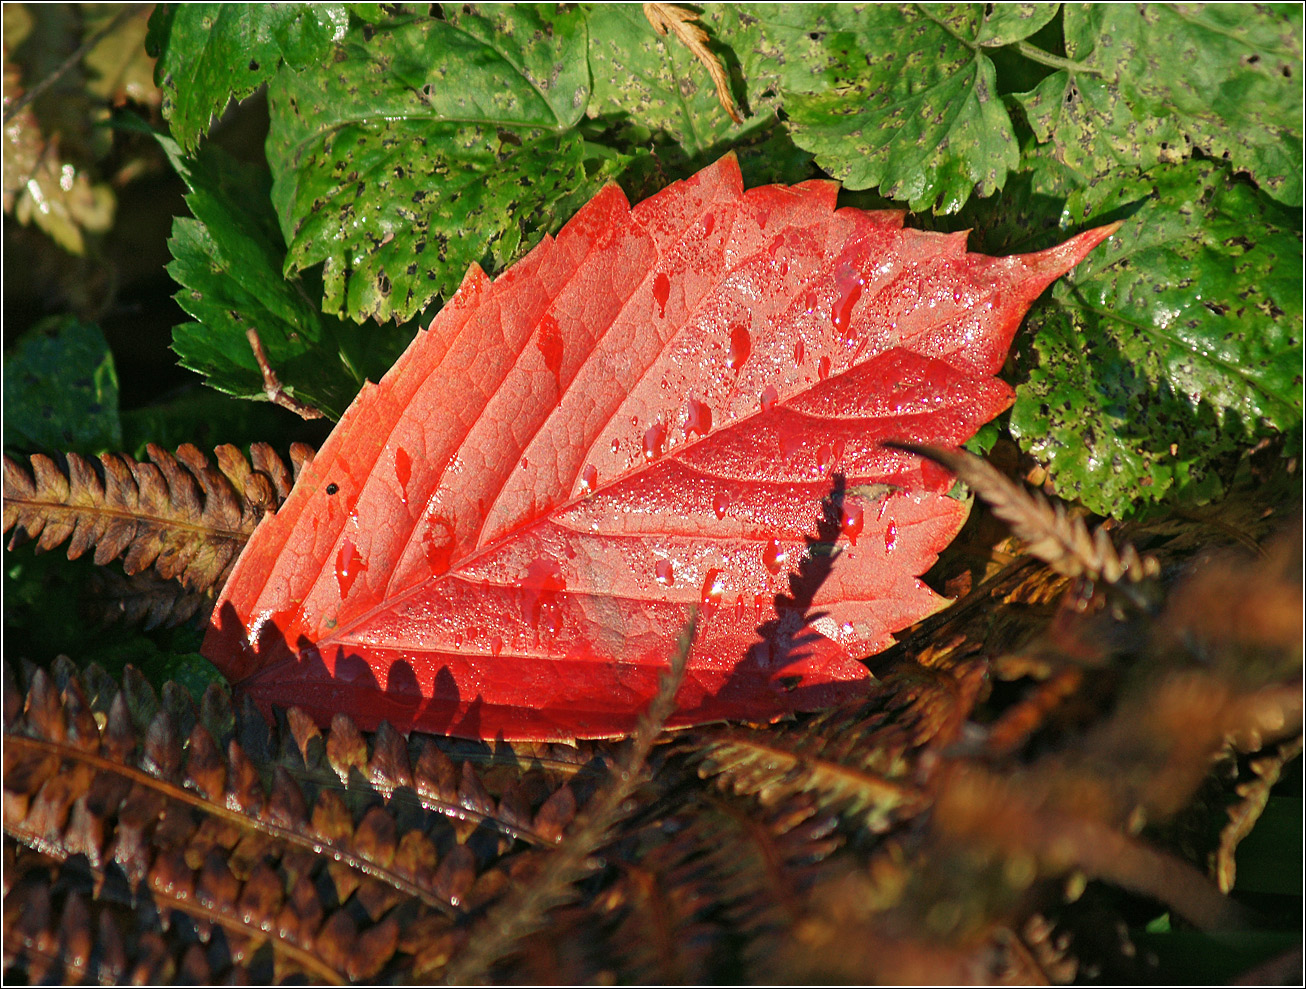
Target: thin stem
(1036, 54)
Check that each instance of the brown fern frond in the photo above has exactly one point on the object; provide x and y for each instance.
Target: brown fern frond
(144, 598)
(177, 513)
(862, 763)
(680, 21)
(1062, 542)
(1253, 796)
(299, 845)
(523, 911)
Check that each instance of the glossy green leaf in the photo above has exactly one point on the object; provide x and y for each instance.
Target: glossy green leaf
(914, 108)
(228, 260)
(428, 145)
(1177, 344)
(1155, 82)
(650, 90)
(209, 53)
(61, 390)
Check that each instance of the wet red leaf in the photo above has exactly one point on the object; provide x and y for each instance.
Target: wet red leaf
(657, 411)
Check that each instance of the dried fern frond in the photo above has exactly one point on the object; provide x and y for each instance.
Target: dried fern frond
(299, 845)
(177, 513)
(861, 762)
(145, 598)
(523, 910)
(1063, 543)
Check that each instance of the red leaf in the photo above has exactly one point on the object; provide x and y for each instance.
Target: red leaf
(658, 410)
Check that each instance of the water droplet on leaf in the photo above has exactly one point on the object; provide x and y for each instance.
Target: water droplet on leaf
(741, 345)
(349, 564)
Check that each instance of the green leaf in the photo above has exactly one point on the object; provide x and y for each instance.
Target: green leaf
(1007, 23)
(209, 53)
(651, 90)
(228, 260)
(61, 390)
(425, 146)
(1155, 82)
(914, 109)
(1176, 343)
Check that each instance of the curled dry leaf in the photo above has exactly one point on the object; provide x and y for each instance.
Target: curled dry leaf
(680, 21)
(658, 410)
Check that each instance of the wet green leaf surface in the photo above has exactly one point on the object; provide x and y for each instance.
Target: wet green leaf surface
(1155, 83)
(427, 146)
(914, 108)
(228, 260)
(1178, 343)
(210, 53)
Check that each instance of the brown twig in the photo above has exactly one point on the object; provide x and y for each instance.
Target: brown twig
(272, 386)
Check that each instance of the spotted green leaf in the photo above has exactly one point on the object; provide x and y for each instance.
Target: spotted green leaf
(914, 108)
(1177, 344)
(1152, 82)
(427, 144)
(650, 91)
(209, 53)
(228, 261)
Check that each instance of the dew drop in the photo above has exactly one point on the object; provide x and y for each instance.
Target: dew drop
(525, 464)
(739, 608)
(823, 457)
(891, 536)
(823, 368)
(741, 345)
(851, 521)
(709, 222)
(539, 596)
(810, 300)
(772, 558)
(700, 418)
(665, 572)
(655, 440)
(712, 589)
(661, 292)
(616, 445)
(848, 289)
(720, 502)
(458, 640)
(349, 564)
(769, 397)
(549, 340)
(589, 479)
(403, 472)
(799, 352)
(496, 647)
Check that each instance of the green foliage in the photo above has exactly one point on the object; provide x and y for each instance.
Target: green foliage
(921, 118)
(1171, 347)
(1149, 86)
(428, 145)
(81, 413)
(228, 260)
(209, 53)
